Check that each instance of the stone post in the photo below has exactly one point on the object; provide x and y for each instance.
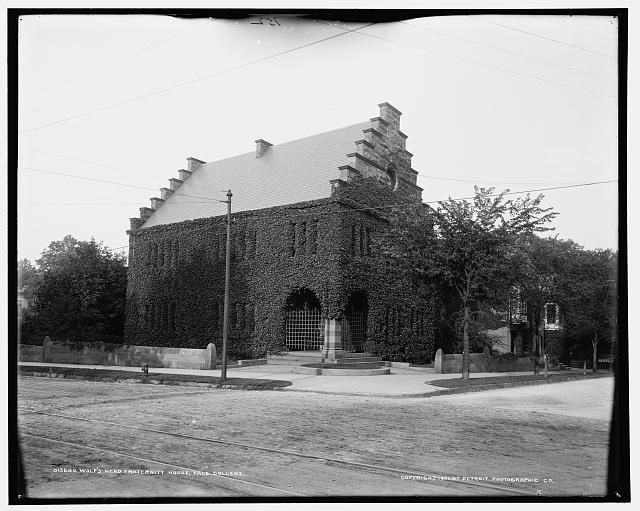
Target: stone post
(438, 362)
(212, 355)
(45, 348)
(332, 350)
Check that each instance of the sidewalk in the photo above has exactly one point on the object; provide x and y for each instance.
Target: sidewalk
(400, 383)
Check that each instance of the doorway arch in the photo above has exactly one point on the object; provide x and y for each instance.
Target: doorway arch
(304, 329)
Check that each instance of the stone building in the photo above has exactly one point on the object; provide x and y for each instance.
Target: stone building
(306, 273)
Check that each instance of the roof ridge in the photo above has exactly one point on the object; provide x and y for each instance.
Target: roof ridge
(287, 142)
(321, 133)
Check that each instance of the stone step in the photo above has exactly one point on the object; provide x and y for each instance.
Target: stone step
(296, 356)
(359, 360)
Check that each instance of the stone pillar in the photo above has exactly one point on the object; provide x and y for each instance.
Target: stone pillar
(213, 355)
(332, 350)
(45, 348)
(438, 362)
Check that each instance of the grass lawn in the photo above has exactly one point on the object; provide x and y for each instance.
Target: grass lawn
(454, 383)
(162, 378)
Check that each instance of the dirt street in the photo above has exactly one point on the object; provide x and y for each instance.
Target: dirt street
(89, 439)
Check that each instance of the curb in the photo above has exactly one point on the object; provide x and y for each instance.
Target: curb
(507, 385)
(146, 381)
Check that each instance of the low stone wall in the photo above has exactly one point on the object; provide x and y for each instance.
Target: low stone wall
(134, 356)
(29, 353)
(479, 363)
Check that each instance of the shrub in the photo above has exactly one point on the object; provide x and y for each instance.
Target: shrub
(507, 356)
(408, 346)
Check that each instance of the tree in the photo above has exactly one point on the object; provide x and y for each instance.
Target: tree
(82, 293)
(540, 268)
(468, 246)
(476, 242)
(590, 297)
(28, 275)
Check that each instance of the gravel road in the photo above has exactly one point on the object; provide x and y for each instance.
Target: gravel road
(544, 440)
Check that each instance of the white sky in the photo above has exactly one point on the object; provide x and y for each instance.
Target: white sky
(479, 114)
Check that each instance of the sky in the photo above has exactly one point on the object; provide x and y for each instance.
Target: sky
(518, 102)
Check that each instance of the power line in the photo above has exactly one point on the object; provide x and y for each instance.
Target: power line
(111, 182)
(189, 82)
(117, 59)
(490, 66)
(477, 181)
(105, 203)
(472, 197)
(120, 169)
(207, 200)
(406, 204)
(541, 36)
(424, 29)
(576, 185)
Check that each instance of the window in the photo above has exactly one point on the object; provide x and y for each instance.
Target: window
(367, 235)
(174, 254)
(250, 244)
(313, 237)
(291, 236)
(303, 237)
(552, 316)
(240, 244)
(220, 248)
(353, 239)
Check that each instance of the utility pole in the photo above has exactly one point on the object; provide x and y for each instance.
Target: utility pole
(227, 275)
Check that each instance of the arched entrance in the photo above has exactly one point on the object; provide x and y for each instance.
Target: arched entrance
(304, 327)
(354, 332)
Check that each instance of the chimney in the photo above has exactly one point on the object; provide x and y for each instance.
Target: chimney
(261, 147)
(193, 163)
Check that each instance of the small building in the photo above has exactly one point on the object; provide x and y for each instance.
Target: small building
(25, 299)
(305, 270)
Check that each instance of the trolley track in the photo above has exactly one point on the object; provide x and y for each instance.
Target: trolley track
(438, 479)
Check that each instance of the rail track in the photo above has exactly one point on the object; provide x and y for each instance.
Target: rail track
(439, 480)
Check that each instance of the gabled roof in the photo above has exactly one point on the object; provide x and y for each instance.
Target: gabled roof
(286, 173)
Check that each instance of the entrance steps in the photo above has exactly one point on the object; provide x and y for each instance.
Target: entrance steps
(353, 364)
(366, 360)
(363, 360)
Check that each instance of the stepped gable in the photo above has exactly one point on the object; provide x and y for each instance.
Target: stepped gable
(300, 170)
